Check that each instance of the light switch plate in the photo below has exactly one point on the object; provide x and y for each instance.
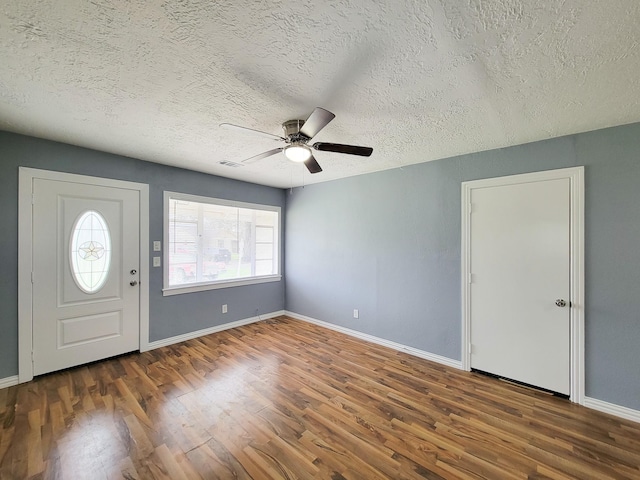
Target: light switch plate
(156, 261)
(157, 246)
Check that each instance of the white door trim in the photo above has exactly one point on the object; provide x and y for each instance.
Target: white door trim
(576, 178)
(25, 266)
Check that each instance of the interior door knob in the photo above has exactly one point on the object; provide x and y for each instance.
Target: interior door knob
(133, 283)
(561, 303)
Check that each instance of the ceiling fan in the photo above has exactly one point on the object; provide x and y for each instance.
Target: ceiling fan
(297, 134)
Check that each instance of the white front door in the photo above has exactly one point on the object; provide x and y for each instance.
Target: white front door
(86, 262)
(520, 259)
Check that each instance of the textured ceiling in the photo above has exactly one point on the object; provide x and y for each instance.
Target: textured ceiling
(416, 80)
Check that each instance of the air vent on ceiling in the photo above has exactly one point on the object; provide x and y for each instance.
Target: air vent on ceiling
(230, 164)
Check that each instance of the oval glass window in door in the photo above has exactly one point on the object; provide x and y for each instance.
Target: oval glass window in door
(90, 251)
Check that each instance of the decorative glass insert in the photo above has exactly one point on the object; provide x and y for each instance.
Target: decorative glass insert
(90, 255)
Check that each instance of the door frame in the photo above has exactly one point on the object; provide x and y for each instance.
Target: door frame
(26, 177)
(576, 296)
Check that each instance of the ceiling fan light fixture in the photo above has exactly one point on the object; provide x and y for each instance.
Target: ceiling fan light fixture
(297, 153)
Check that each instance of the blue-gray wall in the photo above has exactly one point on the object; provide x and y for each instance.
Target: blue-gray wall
(169, 316)
(388, 244)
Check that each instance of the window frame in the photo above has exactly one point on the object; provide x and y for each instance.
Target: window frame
(216, 284)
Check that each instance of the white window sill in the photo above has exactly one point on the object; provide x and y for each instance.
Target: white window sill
(200, 287)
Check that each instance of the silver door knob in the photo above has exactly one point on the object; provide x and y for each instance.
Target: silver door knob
(561, 303)
(133, 283)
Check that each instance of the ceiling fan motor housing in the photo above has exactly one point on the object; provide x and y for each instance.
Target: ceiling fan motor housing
(292, 131)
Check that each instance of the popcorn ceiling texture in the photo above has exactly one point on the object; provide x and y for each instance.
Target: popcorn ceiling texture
(416, 80)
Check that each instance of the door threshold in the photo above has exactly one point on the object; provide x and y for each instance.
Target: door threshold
(524, 385)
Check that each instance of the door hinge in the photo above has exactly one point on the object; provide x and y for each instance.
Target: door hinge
(470, 348)
(33, 199)
(31, 277)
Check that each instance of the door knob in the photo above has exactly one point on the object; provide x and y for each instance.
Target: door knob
(561, 303)
(133, 283)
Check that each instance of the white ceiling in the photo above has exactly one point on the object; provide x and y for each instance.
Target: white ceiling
(416, 80)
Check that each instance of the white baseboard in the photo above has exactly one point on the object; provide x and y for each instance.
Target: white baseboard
(8, 382)
(206, 331)
(380, 341)
(612, 409)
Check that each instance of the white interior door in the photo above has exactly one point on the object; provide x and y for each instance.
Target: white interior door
(520, 265)
(86, 302)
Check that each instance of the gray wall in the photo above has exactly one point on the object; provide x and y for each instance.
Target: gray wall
(169, 316)
(388, 244)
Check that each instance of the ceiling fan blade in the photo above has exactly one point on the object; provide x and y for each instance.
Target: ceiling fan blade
(338, 147)
(312, 165)
(318, 119)
(260, 156)
(231, 126)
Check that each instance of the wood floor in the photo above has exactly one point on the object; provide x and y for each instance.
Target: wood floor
(285, 399)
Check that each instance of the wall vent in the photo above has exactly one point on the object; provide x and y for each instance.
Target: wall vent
(230, 164)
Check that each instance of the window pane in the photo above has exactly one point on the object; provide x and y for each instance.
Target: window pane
(209, 242)
(90, 251)
(264, 251)
(264, 234)
(264, 267)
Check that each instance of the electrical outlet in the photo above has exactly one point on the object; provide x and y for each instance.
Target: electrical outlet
(356, 313)
(157, 246)
(224, 308)
(156, 261)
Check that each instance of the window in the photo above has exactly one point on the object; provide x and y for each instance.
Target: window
(213, 243)
(90, 251)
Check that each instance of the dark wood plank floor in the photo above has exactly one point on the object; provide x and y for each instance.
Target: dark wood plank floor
(285, 399)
